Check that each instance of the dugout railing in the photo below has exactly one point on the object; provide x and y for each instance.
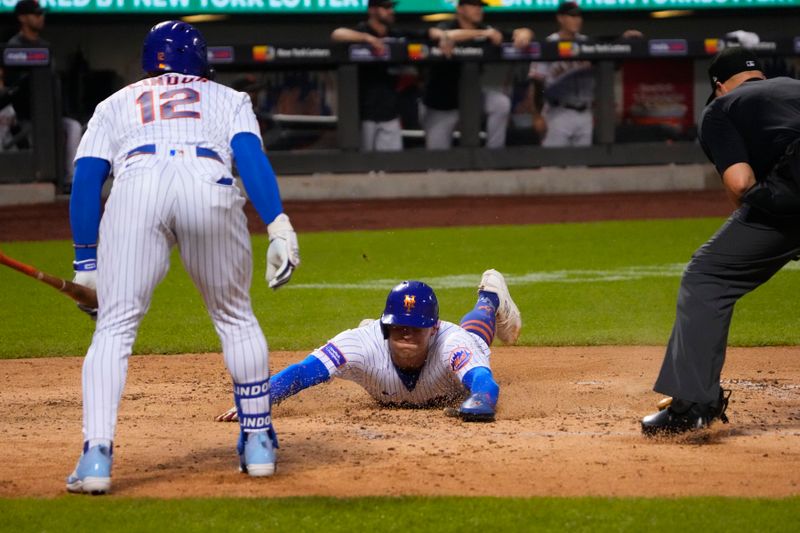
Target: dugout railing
(41, 163)
(345, 59)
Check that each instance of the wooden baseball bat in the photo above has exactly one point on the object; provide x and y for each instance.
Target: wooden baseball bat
(79, 293)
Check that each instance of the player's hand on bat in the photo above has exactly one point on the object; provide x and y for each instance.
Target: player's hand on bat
(86, 275)
(228, 416)
(283, 255)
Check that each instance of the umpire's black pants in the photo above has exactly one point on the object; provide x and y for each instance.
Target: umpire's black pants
(744, 253)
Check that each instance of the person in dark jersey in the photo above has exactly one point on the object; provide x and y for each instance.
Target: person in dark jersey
(441, 95)
(379, 95)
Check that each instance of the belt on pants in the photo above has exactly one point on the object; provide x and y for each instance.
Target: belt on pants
(150, 149)
(566, 105)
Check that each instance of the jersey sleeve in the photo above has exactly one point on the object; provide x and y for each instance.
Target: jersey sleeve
(720, 139)
(464, 352)
(342, 353)
(244, 119)
(98, 140)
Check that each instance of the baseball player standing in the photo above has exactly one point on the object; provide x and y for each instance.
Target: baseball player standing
(411, 358)
(567, 117)
(750, 130)
(441, 96)
(169, 139)
(379, 98)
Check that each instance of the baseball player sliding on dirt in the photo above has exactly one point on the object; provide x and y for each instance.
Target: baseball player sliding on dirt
(411, 358)
(169, 139)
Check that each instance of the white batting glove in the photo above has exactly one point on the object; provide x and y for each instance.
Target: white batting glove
(283, 255)
(86, 275)
(228, 416)
(87, 278)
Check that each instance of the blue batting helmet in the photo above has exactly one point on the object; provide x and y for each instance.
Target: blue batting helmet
(175, 46)
(411, 303)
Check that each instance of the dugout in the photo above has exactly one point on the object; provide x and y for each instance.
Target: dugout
(311, 58)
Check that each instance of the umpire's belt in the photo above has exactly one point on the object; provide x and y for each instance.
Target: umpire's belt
(567, 105)
(150, 149)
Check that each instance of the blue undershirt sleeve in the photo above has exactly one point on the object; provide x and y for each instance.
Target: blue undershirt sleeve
(292, 379)
(257, 175)
(84, 205)
(480, 380)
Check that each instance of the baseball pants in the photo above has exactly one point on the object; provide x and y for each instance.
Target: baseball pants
(744, 253)
(567, 127)
(440, 125)
(160, 202)
(384, 136)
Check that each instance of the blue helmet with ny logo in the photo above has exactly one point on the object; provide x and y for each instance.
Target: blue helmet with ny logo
(411, 303)
(175, 46)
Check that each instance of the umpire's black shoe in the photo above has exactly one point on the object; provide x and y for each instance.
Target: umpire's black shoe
(682, 416)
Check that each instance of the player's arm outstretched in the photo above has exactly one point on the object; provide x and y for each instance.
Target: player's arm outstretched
(259, 180)
(288, 382)
(484, 391)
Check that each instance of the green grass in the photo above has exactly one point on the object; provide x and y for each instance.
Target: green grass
(401, 514)
(37, 321)
(591, 298)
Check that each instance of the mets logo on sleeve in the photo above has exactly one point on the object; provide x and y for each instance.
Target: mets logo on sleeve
(333, 353)
(459, 358)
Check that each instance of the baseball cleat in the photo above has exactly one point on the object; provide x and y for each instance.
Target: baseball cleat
(256, 454)
(681, 416)
(92, 474)
(509, 320)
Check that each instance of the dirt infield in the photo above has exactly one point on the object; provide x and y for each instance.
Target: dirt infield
(567, 426)
(567, 422)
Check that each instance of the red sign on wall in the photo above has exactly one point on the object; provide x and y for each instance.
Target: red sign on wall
(659, 92)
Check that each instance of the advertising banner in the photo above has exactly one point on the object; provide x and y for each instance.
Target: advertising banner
(322, 7)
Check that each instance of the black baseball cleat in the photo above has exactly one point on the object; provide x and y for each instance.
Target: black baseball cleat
(682, 416)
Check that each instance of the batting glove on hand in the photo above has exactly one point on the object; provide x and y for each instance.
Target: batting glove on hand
(86, 275)
(283, 255)
(231, 415)
(477, 408)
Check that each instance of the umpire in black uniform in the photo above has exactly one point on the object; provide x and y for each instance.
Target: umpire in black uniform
(750, 130)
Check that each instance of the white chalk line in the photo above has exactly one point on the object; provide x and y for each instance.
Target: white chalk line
(461, 281)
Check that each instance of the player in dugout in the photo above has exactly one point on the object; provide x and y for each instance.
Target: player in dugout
(379, 98)
(411, 358)
(441, 98)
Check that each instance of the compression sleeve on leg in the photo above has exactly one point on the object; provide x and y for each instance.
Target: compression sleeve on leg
(292, 379)
(257, 176)
(84, 205)
(480, 380)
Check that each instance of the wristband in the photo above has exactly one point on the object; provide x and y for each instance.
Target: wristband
(86, 265)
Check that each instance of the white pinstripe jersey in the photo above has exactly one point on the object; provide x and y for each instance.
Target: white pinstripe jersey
(170, 111)
(362, 355)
